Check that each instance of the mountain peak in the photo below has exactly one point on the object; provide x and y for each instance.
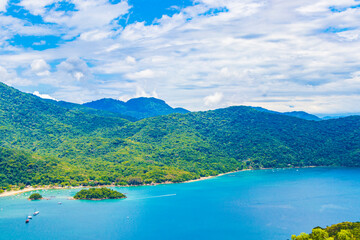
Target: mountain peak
(139, 108)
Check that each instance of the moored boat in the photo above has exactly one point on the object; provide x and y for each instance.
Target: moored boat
(36, 213)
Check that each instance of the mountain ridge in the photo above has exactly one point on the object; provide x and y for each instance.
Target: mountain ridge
(138, 108)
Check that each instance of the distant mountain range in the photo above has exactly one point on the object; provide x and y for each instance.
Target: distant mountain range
(46, 142)
(138, 108)
(298, 114)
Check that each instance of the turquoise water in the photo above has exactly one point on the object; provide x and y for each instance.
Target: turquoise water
(266, 204)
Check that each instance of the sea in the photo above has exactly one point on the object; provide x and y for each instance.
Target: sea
(268, 204)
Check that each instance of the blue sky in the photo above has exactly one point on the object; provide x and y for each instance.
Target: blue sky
(197, 54)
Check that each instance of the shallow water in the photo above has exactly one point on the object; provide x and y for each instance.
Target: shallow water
(264, 204)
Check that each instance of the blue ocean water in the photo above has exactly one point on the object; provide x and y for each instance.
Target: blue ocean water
(249, 205)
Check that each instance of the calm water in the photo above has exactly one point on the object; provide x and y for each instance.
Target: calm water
(261, 205)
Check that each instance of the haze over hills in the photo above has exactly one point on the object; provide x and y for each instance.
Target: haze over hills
(137, 108)
(72, 147)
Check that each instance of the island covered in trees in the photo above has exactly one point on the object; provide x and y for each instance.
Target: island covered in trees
(35, 196)
(98, 194)
(340, 231)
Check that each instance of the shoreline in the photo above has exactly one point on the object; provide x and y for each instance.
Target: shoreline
(30, 189)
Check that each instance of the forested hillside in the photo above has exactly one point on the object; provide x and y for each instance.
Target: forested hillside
(97, 149)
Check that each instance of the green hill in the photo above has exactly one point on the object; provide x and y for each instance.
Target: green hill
(96, 149)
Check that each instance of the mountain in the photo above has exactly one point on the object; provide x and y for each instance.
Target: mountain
(303, 115)
(89, 149)
(298, 114)
(82, 108)
(138, 108)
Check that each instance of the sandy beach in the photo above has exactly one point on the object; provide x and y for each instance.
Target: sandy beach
(29, 189)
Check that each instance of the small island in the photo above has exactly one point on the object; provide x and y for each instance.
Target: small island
(35, 196)
(98, 194)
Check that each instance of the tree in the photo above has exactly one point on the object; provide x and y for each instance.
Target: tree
(319, 234)
(302, 236)
(345, 235)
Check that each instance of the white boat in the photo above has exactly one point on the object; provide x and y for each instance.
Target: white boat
(36, 213)
(29, 217)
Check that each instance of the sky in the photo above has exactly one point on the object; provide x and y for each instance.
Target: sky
(282, 55)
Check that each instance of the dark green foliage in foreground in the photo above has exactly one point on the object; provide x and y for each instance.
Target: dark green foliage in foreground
(341, 231)
(98, 193)
(35, 196)
(45, 144)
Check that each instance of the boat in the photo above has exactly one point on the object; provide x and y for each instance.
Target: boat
(36, 213)
(59, 203)
(29, 217)
(27, 220)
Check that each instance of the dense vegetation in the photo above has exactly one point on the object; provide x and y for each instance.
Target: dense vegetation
(137, 108)
(341, 231)
(42, 143)
(35, 196)
(98, 193)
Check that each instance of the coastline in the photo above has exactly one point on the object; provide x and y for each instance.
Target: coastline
(30, 189)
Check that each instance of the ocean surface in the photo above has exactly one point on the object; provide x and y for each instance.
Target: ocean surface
(253, 205)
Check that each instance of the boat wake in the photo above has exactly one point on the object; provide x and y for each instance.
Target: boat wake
(167, 195)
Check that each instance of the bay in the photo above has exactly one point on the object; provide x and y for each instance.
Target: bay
(261, 204)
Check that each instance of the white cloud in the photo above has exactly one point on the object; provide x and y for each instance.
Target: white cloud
(147, 73)
(90, 17)
(12, 79)
(94, 35)
(36, 7)
(3, 4)
(44, 96)
(213, 99)
(74, 68)
(130, 60)
(40, 67)
(78, 75)
(140, 92)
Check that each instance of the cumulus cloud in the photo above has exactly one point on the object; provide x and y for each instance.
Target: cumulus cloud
(40, 67)
(44, 96)
(75, 68)
(213, 99)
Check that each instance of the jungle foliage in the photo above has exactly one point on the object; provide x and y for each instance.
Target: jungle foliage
(98, 193)
(340, 231)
